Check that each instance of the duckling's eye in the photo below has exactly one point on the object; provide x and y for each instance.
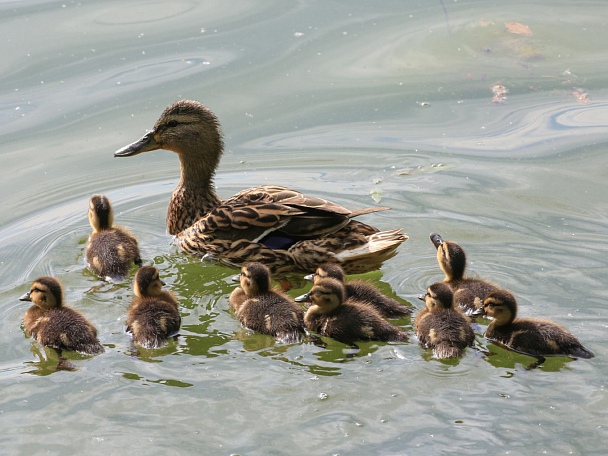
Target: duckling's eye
(172, 123)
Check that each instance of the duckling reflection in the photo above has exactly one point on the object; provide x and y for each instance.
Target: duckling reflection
(282, 228)
(442, 327)
(469, 292)
(531, 336)
(360, 291)
(55, 325)
(153, 316)
(111, 249)
(264, 310)
(331, 314)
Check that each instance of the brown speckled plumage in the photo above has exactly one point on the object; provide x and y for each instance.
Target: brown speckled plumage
(282, 228)
(532, 336)
(55, 325)
(442, 327)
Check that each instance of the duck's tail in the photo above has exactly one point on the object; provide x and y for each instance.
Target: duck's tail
(90, 348)
(292, 336)
(379, 247)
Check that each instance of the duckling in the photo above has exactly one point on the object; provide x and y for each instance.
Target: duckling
(55, 325)
(264, 310)
(111, 249)
(153, 316)
(531, 336)
(286, 230)
(440, 325)
(331, 314)
(360, 291)
(469, 293)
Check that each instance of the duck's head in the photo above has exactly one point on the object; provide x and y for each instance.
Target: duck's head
(101, 214)
(147, 282)
(186, 127)
(331, 270)
(501, 305)
(46, 293)
(255, 279)
(438, 296)
(450, 256)
(327, 294)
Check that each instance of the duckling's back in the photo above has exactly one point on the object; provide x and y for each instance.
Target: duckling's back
(62, 328)
(366, 293)
(111, 252)
(152, 320)
(447, 332)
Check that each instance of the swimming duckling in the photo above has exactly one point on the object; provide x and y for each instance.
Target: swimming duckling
(360, 291)
(111, 249)
(440, 325)
(288, 231)
(153, 316)
(55, 325)
(346, 320)
(531, 336)
(469, 292)
(264, 310)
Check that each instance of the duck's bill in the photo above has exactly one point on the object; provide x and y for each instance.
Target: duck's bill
(303, 298)
(310, 277)
(436, 239)
(25, 297)
(145, 144)
(236, 278)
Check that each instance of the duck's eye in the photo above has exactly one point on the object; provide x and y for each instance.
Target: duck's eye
(172, 123)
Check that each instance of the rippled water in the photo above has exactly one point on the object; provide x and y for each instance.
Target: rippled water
(353, 101)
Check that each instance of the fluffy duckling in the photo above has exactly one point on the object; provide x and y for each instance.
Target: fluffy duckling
(153, 316)
(469, 292)
(264, 310)
(331, 314)
(55, 325)
(286, 230)
(531, 336)
(360, 291)
(111, 249)
(440, 326)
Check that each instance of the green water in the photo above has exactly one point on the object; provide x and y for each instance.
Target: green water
(358, 102)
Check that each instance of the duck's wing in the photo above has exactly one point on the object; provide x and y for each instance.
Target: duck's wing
(317, 216)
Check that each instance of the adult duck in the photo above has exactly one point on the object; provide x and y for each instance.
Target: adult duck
(288, 231)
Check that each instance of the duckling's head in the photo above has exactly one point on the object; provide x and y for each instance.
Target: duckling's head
(147, 282)
(255, 279)
(185, 127)
(101, 214)
(327, 294)
(46, 293)
(450, 256)
(331, 270)
(501, 305)
(438, 296)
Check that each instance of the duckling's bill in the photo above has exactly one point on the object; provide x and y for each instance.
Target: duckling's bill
(25, 297)
(145, 144)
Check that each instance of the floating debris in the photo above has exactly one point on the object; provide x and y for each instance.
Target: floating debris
(518, 29)
(580, 95)
(500, 93)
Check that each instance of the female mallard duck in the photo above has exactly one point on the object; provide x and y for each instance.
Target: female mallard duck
(469, 292)
(153, 316)
(112, 249)
(277, 226)
(55, 325)
(331, 314)
(360, 291)
(264, 310)
(531, 336)
(440, 326)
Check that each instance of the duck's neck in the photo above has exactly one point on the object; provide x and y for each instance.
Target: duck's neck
(194, 195)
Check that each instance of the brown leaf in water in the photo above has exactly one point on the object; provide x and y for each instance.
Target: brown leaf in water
(500, 93)
(518, 29)
(580, 95)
